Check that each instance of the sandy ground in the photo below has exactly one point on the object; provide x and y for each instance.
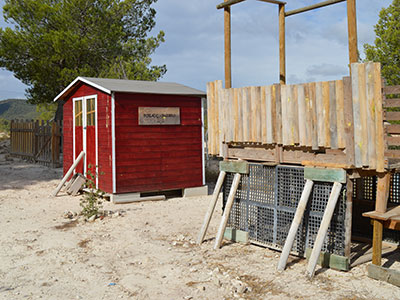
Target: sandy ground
(148, 252)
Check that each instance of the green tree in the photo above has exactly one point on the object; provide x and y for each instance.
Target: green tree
(54, 41)
(387, 43)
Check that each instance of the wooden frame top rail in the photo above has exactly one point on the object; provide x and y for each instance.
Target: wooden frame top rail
(311, 7)
(232, 2)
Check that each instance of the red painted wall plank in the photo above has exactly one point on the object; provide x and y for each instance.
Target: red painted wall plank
(151, 158)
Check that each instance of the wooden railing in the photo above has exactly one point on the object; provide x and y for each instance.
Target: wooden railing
(37, 141)
(344, 117)
(391, 104)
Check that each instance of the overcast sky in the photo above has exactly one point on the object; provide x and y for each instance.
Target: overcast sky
(316, 42)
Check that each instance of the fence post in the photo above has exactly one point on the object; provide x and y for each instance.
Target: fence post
(53, 143)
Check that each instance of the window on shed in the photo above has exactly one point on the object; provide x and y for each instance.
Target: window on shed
(90, 111)
(78, 113)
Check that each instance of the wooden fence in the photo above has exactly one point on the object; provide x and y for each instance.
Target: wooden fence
(37, 141)
(345, 116)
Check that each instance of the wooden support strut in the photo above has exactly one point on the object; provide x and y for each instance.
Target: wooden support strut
(295, 224)
(211, 207)
(323, 229)
(227, 211)
(69, 173)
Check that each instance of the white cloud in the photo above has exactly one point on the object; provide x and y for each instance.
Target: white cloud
(194, 48)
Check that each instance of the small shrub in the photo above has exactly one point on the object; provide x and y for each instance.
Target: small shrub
(92, 201)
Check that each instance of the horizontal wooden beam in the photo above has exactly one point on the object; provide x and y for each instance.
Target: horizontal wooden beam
(232, 2)
(234, 166)
(311, 7)
(393, 128)
(391, 89)
(395, 102)
(322, 174)
(384, 274)
(274, 2)
(228, 3)
(393, 140)
(392, 115)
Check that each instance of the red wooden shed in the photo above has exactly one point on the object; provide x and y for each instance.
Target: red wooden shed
(143, 136)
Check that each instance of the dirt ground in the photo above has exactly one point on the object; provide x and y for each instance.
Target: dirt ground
(146, 251)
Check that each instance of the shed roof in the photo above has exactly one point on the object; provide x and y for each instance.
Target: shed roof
(132, 86)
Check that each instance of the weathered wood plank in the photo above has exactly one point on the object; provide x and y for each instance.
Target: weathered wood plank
(308, 116)
(236, 235)
(235, 115)
(269, 115)
(348, 120)
(302, 116)
(234, 166)
(323, 174)
(379, 129)
(240, 114)
(265, 119)
(392, 153)
(391, 102)
(391, 89)
(362, 85)
(326, 113)
(259, 118)
(218, 116)
(246, 114)
(252, 154)
(285, 115)
(393, 128)
(277, 99)
(221, 113)
(371, 126)
(332, 115)
(314, 116)
(340, 114)
(210, 118)
(358, 137)
(392, 115)
(295, 115)
(393, 140)
(320, 114)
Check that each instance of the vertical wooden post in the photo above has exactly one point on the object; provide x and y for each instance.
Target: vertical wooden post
(53, 143)
(227, 35)
(377, 242)
(282, 47)
(348, 216)
(382, 192)
(352, 30)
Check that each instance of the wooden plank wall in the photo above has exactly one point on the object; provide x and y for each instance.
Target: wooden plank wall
(311, 115)
(302, 115)
(36, 141)
(391, 104)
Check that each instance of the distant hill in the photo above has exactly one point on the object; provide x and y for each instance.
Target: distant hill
(17, 109)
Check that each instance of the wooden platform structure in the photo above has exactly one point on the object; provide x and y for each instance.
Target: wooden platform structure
(347, 124)
(350, 125)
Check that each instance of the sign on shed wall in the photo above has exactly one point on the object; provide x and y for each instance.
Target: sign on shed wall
(159, 116)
